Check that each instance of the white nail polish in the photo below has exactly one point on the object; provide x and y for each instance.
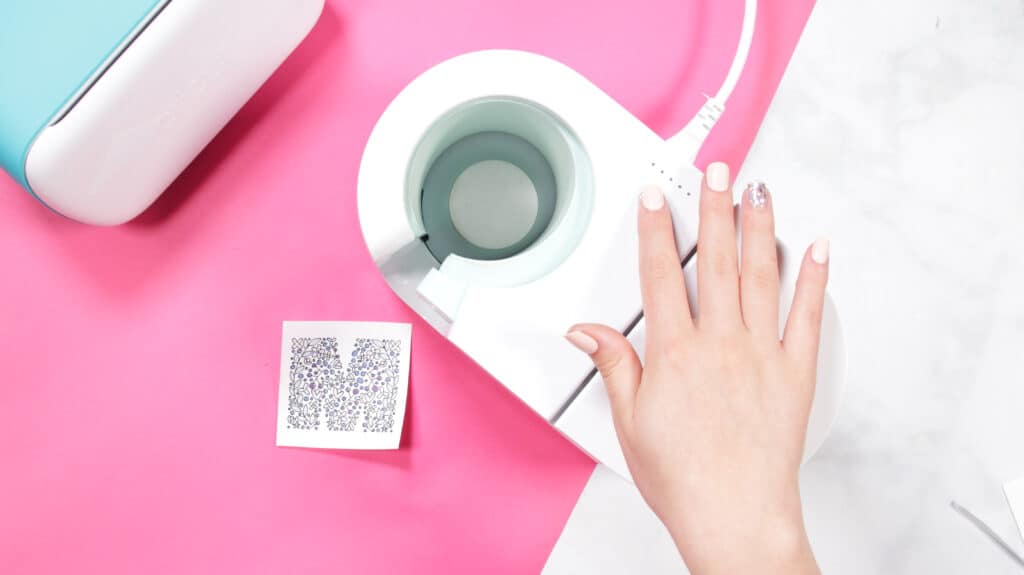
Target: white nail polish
(819, 251)
(582, 342)
(652, 198)
(718, 177)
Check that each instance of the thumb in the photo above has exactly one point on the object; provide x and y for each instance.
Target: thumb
(617, 361)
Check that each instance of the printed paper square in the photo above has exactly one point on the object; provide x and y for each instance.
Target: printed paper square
(343, 384)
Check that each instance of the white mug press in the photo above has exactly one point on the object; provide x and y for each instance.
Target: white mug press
(498, 195)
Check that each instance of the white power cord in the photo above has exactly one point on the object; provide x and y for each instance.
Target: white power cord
(690, 139)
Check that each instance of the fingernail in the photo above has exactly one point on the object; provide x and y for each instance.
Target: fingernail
(582, 341)
(757, 194)
(652, 198)
(819, 251)
(718, 177)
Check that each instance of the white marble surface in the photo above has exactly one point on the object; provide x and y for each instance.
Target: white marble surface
(898, 131)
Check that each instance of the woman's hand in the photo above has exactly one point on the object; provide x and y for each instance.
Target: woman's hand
(713, 423)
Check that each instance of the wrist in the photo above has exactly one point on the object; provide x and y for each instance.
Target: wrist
(759, 541)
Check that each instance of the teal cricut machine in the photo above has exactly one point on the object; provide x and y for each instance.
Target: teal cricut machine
(104, 102)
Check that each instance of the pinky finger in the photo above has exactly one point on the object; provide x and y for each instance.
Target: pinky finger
(803, 327)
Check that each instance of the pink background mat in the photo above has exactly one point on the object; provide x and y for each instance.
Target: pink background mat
(139, 364)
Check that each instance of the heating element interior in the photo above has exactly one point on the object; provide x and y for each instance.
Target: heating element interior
(504, 186)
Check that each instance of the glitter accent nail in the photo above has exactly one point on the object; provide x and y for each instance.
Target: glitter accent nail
(757, 194)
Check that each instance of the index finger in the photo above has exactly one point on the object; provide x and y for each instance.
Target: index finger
(666, 308)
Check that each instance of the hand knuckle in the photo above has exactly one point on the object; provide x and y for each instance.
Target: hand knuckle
(720, 264)
(660, 269)
(609, 364)
(811, 316)
(762, 277)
